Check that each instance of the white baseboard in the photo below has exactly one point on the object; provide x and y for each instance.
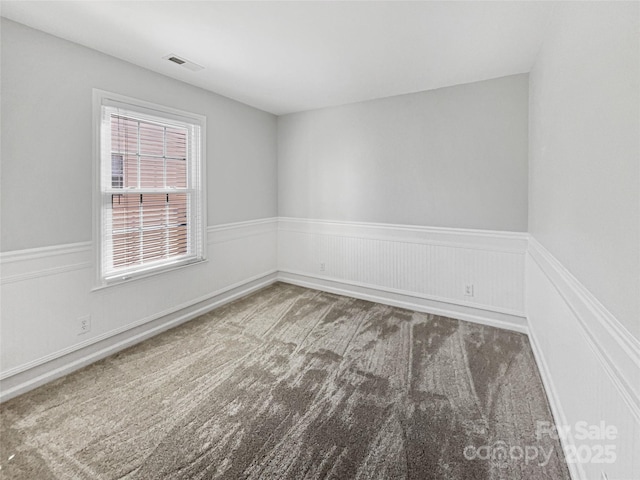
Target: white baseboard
(406, 300)
(575, 469)
(30, 376)
(588, 363)
(60, 365)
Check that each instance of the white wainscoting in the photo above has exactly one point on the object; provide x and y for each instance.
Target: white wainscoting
(589, 362)
(45, 291)
(421, 268)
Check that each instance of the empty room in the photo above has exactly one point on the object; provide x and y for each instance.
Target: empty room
(320, 240)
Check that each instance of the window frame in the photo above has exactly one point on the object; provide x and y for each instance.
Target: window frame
(196, 230)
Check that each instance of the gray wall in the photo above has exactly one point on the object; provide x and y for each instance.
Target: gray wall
(584, 204)
(453, 157)
(47, 139)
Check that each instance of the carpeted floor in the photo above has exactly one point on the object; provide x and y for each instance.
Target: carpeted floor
(291, 383)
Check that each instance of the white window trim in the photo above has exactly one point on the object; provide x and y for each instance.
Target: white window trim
(104, 98)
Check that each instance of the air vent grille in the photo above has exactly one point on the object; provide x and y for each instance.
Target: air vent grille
(183, 62)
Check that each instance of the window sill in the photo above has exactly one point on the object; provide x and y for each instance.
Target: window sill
(126, 279)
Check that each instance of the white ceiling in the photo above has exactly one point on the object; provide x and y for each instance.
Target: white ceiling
(286, 57)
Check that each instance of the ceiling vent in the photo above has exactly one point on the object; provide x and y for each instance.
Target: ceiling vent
(194, 67)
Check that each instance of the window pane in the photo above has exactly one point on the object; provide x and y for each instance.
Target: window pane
(130, 167)
(177, 209)
(124, 134)
(177, 221)
(126, 249)
(176, 173)
(151, 172)
(154, 210)
(125, 212)
(177, 240)
(117, 171)
(176, 143)
(151, 139)
(126, 230)
(155, 245)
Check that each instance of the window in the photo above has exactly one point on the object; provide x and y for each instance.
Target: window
(149, 188)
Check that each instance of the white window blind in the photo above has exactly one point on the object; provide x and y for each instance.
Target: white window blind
(151, 215)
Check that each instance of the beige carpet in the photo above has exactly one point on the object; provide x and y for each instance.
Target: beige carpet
(293, 383)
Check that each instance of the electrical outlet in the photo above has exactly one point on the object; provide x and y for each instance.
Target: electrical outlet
(323, 266)
(468, 290)
(84, 324)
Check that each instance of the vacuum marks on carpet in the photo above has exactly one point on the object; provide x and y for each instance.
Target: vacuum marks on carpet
(292, 383)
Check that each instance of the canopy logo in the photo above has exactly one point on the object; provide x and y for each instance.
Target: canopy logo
(583, 443)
